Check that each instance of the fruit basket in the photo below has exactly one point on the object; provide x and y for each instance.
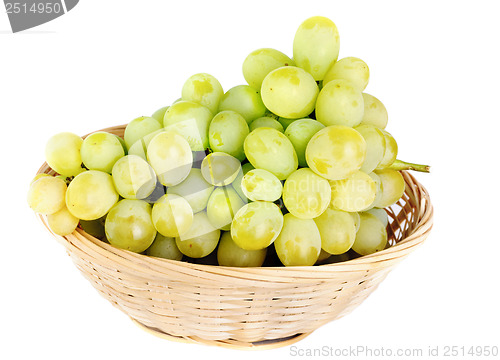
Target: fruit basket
(244, 307)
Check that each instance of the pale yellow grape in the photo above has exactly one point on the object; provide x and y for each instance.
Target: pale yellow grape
(160, 114)
(271, 150)
(203, 89)
(316, 46)
(354, 193)
(62, 153)
(227, 132)
(289, 92)
(371, 236)
(38, 176)
(230, 254)
(266, 122)
(306, 194)
(140, 127)
(299, 243)
(375, 146)
(129, 226)
(381, 214)
(133, 177)
(350, 68)
(223, 204)
(300, 132)
(393, 187)
(91, 195)
(391, 151)
(62, 222)
(164, 247)
(245, 100)
(375, 112)
(336, 152)
(260, 184)
(191, 121)
(140, 147)
(339, 103)
(356, 218)
(170, 156)
(220, 169)
(337, 229)
(47, 194)
(256, 225)
(201, 239)
(101, 150)
(378, 192)
(172, 215)
(195, 189)
(261, 62)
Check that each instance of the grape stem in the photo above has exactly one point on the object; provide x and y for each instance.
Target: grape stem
(403, 165)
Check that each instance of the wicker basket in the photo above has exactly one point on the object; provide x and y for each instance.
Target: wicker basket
(244, 307)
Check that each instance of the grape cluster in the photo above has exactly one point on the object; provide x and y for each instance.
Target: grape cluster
(298, 159)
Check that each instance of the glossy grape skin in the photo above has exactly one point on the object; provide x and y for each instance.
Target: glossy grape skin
(300, 132)
(159, 114)
(393, 187)
(261, 62)
(375, 146)
(230, 254)
(133, 177)
(351, 69)
(140, 147)
(266, 121)
(391, 151)
(381, 214)
(337, 229)
(203, 89)
(62, 153)
(374, 112)
(245, 100)
(220, 169)
(227, 132)
(140, 127)
(195, 189)
(223, 204)
(201, 239)
(164, 247)
(101, 150)
(62, 222)
(354, 193)
(172, 215)
(371, 236)
(259, 184)
(46, 195)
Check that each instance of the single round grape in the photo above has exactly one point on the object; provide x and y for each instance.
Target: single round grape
(195, 189)
(371, 236)
(391, 151)
(266, 121)
(269, 149)
(91, 195)
(38, 176)
(256, 225)
(316, 46)
(223, 204)
(355, 193)
(170, 156)
(62, 153)
(172, 215)
(100, 151)
(381, 214)
(305, 194)
(230, 254)
(286, 122)
(227, 132)
(393, 187)
(164, 247)
(337, 229)
(129, 226)
(245, 100)
(133, 177)
(336, 152)
(289, 92)
(299, 242)
(375, 112)
(201, 239)
(138, 128)
(375, 146)
(220, 169)
(140, 147)
(351, 69)
(160, 114)
(203, 89)
(300, 132)
(62, 222)
(259, 184)
(261, 62)
(339, 103)
(47, 194)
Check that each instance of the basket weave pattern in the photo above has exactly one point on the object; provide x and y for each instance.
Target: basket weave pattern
(243, 306)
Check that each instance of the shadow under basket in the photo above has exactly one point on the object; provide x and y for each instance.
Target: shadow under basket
(244, 308)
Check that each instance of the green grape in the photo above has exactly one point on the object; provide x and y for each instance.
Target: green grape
(190, 120)
(259, 184)
(94, 227)
(289, 92)
(172, 215)
(203, 89)
(305, 194)
(378, 190)
(91, 194)
(140, 147)
(101, 150)
(355, 193)
(371, 236)
(236, 184)
(170, 156)
(327, 155)
(46, 195)
(230, 254)
(375, 146)
(356, 218)
(201, 239)
(300, 132)
(133, 177)
(62, 222)
(129, 226)
(227, 132)
(247, 167)
(271, 150)
(266, 121)
(138, 128)
(164, 247)
(160, 114)
(195, 189)
(337, 230)
(245, 100)
(299, 242)
(391, 151)
(316, 46)
(381, 214)
(256, 225)
(220, 169)
(339, 103)
(62, 153)
(286, 122)
(223, 204)
(261, 62)
(375, 112)
(351, 69)
(393, 187)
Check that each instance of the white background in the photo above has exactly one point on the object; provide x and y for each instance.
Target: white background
(435, 66)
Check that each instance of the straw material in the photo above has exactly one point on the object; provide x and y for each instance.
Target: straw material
(244, 307)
